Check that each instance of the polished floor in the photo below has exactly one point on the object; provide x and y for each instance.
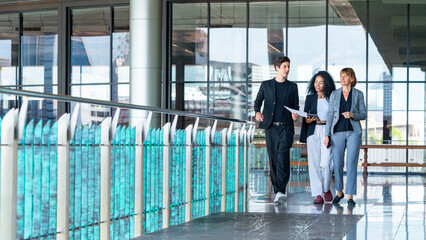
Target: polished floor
(392, 206)
(387, 207)
(255, 226)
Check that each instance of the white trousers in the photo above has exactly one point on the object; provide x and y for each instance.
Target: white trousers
(319, 162)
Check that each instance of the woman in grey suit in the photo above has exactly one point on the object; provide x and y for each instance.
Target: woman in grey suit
(346, 110)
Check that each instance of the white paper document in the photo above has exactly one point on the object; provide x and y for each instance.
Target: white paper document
(300, 113)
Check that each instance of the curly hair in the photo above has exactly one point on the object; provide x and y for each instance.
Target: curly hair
(329, 85)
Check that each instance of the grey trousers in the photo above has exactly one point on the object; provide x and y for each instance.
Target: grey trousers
(352, 142)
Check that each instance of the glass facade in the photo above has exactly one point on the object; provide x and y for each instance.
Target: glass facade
(221, 51)
(9, 43)
(383, 42)
(98, 55)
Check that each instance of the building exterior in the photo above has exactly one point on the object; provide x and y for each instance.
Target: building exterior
(211, 56)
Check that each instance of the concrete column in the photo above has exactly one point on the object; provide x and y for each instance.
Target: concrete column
(145, 57)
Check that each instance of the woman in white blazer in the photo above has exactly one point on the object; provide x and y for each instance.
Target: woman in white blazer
(346, 110)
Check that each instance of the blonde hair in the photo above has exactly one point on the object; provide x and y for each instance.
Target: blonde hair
(351, 73)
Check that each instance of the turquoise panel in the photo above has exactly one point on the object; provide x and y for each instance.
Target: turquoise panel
(240, 190)
(75, 148)
(50, 142)
(230, 174)
(29, 174)
(96, 130)
(122, 183)
(84, 183)
(198, 175)
(21, 171)
(153, 181)
(93, 186)
(177, 178)
(37, 180)
(216, 174)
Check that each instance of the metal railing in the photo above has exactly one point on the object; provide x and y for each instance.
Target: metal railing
(69, 180)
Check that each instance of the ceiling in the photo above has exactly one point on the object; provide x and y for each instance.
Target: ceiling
(388, 30)
(387, 23)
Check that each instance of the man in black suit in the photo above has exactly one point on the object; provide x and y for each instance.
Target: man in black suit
(279, 123)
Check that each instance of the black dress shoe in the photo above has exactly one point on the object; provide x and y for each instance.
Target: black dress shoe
(351, 203)
(336, 199)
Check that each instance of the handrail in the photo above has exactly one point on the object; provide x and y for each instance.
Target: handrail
(115, 104)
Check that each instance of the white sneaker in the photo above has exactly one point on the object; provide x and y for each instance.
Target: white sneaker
(282, 197)
(276, 200)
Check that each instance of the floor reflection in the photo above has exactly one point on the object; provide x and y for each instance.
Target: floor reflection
(393, 206)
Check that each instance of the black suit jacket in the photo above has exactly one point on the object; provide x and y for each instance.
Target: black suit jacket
(267, 95)
(310, 107)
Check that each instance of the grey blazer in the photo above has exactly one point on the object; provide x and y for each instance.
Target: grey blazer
(357, 109)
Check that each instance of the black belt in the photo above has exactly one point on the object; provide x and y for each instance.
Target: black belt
(321, 123)
(280, 123)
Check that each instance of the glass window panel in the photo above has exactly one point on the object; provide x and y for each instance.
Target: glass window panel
(253, 89)
(399, 96)
(417, 98)
(301, 87)
(399, 127)
(417, 73)
(362, 86)
(189, 57)
(376, 128)
(100, 92)
(189, 41)
(416, 115)
(39, 109)
(228, 25)
(387, 41)
(40, 49)
(416, 126)
(195, 73)
(346, 38)
(228, 100)
(120, 50)
(194, 99)
(385, 102)
(123, 93)
(306, 38)
(90, 45)
(92, 114)
(9, 38)
(173, 79)
(267, 23)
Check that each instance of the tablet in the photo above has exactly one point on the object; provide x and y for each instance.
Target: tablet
(313, 115)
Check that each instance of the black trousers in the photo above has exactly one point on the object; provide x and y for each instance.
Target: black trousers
(279, 140)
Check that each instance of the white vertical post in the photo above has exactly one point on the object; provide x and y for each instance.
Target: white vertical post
(105, 179)
(188, 180)
(237, 164)
(9, 175)
(139, 169)
(224, 160)
(166, 176)
(207, 169)
(63, 180)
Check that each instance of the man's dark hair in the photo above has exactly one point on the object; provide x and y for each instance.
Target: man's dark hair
(328, 84)
(279, 61)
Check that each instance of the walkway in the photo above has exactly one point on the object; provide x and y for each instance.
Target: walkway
(388, 207)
